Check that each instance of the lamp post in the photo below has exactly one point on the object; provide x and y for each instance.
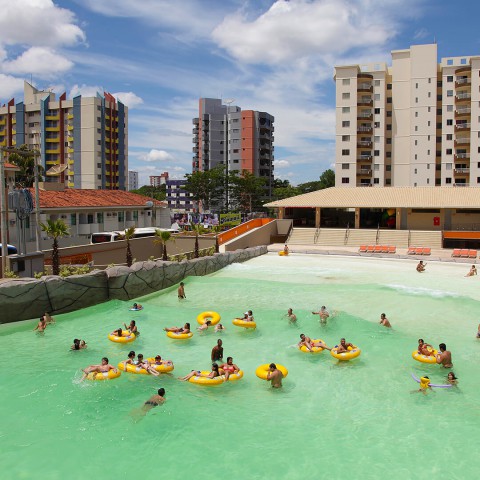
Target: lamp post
(3, 213)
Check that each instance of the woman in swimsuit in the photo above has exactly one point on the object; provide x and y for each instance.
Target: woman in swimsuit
(159, 361)
(145, 365)
(130, 360)
(132, 328)
(78, 344)
(154, 401)
(228, 368)
(452, 379)
(117, 332)
(184, 329)
(196, 373)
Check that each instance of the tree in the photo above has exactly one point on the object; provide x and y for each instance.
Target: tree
(158, 193)
(327, 179)
(309, 187)
(285, 192)
(128, 235)
(55, 229)
(162, 237)
(197, 229)
(26, 163)
(247, 191)
(207, 187)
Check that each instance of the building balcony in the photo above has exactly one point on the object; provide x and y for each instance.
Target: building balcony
(462, 112)
(52, 117)
(461, 156)
(365, 102)
(462, 97)
(3, 121)
(195, 130)
(364, 158)
(364, 87)
(195, 149)
(70, 128)
(364, 129)
(364, 171)
(70, 150)
(70, 161)
(14, 121)
(364, 144)
(461, 184)
(69, 139)
(52, 129)
(51, 140)
(195, 121)
(364, 184)
(52, 152)
(461, 171)
(70, 116)
(462, 141)
(365, 117)
(463, 82)
(462, 127)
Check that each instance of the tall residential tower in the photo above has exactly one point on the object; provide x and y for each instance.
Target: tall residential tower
(414, 123)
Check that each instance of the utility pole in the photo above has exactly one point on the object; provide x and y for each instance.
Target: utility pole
(3, 213)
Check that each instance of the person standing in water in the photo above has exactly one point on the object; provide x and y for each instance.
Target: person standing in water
(292, 318)
(181, 291)
(274, 376)
(384, 321)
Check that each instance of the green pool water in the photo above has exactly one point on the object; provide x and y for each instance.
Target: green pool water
(335, 420)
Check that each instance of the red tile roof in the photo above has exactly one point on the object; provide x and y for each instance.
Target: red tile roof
(71, 198)
(11, 166)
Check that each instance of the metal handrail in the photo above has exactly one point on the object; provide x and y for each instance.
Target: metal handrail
(317, 234)
(378, 234)
(347, 233)
(409, 240)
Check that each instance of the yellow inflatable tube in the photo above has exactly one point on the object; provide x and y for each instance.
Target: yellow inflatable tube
(104, 375)
(163, 368)
(304, 349)
(179, 336)
(282, 253)
(352, 353)
(135, 369)
(214, 318)
(125, 338)
(203, 380)
(425, 358)
(239, 322)
(263, 370)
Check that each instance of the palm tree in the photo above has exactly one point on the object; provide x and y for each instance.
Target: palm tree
(128, 235)
(198, 229)
(55, 229)
(26, 163)
(162, 237)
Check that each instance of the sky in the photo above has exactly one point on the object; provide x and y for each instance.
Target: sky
(160, 56)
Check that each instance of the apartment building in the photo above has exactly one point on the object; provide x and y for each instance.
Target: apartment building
(414, 123)
(83, 142)
(158, 180)
(240, 139)
(178, 199)
(132, 180)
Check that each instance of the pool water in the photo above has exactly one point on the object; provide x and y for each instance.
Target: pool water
(332, 419)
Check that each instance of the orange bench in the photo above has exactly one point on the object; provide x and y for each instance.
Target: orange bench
(456, 252)
(472, 254)
(464, 253)
(362, 249)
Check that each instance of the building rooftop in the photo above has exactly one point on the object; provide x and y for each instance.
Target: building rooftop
(385, 197)
(71, 198)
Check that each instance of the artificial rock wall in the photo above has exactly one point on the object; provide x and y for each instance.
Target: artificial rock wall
(21, 299)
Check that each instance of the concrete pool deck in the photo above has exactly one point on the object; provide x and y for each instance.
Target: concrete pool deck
(437, 255)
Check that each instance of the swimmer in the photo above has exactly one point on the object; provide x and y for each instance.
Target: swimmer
(154, 400)
(344, 346)
(130, 360)
(137, 306)
(292, 318)
(132, 328)
(308, 343)
(424, 348)
(323, 314)
(421, 266)
(472, 272)
(196, 373)
(78, 344)
(41, 326)
(103, 368)
(117, 332)
(204, 326)
(146, 366)
(384, 321)
(248, 316)
(452, 379)
(444, 358)
(285, 249)
(158, 361)
(219, 327)
(181, 291)
(228, 368)
(48, 318)
(184, 329)
(217, 351)
(274, 376)
(424, 385)
(478, 331)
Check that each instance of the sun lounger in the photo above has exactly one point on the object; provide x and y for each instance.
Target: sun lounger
(426, 251)
(392, 249)
(411, 251)
(472, 254)
(456, 252)
(384, 248)
(362, 249)
(464, 253)
(371, 248)
(418, 251)
(378, 249)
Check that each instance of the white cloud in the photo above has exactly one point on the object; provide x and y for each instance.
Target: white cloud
(9, 86)
(420, 33)
(130, 99)
(282, 163)
(39, 61)
(85, 90)
(37, 23)
(291, 30)
(156, 156)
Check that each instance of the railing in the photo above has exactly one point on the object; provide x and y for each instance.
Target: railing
(364, 129)
(462, 155)
(461, 184)
(378, 234)
(462, 81)
(317, 234)
(364, 171)
(461, 111)
(468, 227)
(463, 140)
(364, 143)
(462, 126)
(463, 96)
(409, 240)
(347, 233)
(462, 170)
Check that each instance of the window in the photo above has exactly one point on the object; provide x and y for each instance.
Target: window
(448, 151)
(389, 113)
(376, 139)
(416, 142)
(100, 217)
(439, 111)
(389, 154)
(429, 80)
(416, 128)
(416, 114)
(449, 93)
(99, 165)
(377, 96)
(416, 99)
(99, 142)
(429, 94)
(345, 96)
(345, 166)
(416, 156)
(73, 219)
(449, 78)
(121, 217)
(449, 136)
(450, 122)
(428, 181)
(345, 124)
(377, 83)
(376, 167)
(428, 152)
(415, 171)
(389, 141)
(345, 109)
(346, 81)
(376, 153)
(376, 124)
(389, 126)
(388, 181)
(345, 152)
(416, 85)
(90, 218)
(389, 86)
(428, 165)
(429, 108)
(463, 61)
(448, 180)
(135, 214)
(388, 168)
(377, 111)
(99, 119)
(99, 177)
(428, 138)
(345, 138)
(428, 123)
(376, 180)
(345, 180)
(448, 166)
(449, 61)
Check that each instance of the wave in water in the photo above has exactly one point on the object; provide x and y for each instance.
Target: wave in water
(422, 291)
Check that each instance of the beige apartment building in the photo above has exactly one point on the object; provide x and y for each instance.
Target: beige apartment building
(83, 142)
(414, 123)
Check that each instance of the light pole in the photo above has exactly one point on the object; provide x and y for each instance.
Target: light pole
(228, 102)
(3, 214)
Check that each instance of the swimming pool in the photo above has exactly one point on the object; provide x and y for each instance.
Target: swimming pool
(331, 419)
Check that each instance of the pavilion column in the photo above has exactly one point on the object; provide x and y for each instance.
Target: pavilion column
(281, 213)
(317, 217)
(398, 218)
(357, 217)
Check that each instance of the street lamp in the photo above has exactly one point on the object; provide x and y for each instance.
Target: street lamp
(3, 213)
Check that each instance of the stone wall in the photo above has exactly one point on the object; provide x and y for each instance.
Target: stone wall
(21, 299)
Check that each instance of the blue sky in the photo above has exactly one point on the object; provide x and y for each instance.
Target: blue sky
(160, 56)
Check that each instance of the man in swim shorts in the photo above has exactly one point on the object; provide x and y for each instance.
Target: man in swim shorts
(421, 266)
(444, 358)
(308, 343)
(217, 351)
(384, 321)
(103, 368)
(228, 368)
(154, 400)
(41, 326)
(292, 318)
(48, 319)
(274, 376)
(184, 329)
(344, 346)
(181, 291)
(323, 314)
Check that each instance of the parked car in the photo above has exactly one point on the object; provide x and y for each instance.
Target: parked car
(11, 249)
